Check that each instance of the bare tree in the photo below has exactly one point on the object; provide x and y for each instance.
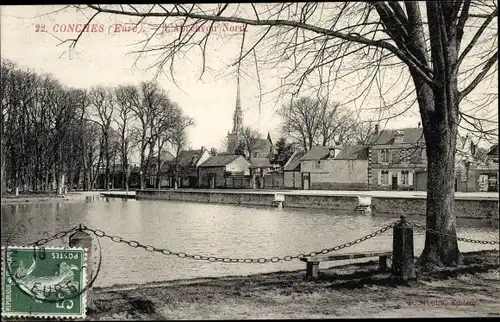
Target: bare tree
(439, 52)
(250, 139)
(310, 121)
(301, 121)
(356, 132)
(42, 124)
(178, 143)
(171, 128)
(125, 100)
(102, 102)
(144, 103)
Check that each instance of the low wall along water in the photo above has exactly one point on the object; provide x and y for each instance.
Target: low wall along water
(465, 208)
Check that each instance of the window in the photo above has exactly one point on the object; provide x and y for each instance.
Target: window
(385, 156)
(405, 153)
(463, 175)
(317, 164)
(405, 178)
(385, 177)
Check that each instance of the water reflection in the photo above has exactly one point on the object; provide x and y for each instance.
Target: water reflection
(210, 229)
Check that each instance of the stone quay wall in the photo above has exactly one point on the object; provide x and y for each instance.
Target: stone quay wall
(478, 208)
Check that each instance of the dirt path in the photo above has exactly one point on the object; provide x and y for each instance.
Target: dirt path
(355, 290)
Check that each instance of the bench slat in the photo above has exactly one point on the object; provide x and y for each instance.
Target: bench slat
(318, 259)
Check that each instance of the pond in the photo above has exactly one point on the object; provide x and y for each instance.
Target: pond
(211, 230)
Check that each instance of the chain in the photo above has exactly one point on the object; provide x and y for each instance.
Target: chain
(61, 234)
(466, 240)
(149, 248)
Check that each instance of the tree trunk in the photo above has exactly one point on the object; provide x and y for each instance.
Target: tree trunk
(441, 249)
(439, 108)
(3, 180)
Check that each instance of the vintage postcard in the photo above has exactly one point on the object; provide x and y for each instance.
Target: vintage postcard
(268, 160)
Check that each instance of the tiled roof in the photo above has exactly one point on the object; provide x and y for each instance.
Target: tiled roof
(166, 156)
(188, 158)
(261, 162)
(316, 153)
(411, 136)
(219, 160)
(294, 161)
(355, 152)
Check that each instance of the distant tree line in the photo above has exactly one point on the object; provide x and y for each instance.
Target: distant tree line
(54, 136)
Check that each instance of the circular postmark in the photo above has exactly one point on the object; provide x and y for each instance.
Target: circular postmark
(62, 271)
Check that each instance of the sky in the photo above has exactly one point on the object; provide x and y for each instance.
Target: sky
(104, 58)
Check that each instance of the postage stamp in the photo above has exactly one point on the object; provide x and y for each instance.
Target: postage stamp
(44, 282)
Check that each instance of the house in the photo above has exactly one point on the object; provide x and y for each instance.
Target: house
(225, 171)
(492, 155)
(264, 148)
(291, 171)
(265, 174)
(161, 174)
(335, 168)
(186, 166)
(467, 158)
(486, 172)
(117, 177)
(398, 160)
(260, 167)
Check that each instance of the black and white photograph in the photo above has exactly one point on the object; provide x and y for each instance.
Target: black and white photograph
(268, 160)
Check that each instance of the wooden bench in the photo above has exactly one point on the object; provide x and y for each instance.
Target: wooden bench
(313, 262)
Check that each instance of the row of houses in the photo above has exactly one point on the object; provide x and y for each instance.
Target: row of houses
(394, 160)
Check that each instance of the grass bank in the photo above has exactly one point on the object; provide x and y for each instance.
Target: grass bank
(354, 290)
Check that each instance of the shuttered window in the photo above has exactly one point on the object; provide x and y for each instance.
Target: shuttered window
(384, 177)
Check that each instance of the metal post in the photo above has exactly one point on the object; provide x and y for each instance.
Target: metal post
(403, 261)
(84, 240)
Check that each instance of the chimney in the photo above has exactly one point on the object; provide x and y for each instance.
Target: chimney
(202, 149)
(376, 128)
(398, 137)
(472, 148)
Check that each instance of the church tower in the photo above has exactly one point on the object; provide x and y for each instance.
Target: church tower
(238, 114)
(233, 138)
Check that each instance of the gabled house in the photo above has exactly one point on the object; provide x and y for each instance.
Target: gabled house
(398, 160)
(291, 171)
(486, 172)
(335, 168)
(225, 171)
(185, 166)
(468, 157)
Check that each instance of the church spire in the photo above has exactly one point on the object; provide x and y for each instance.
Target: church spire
(238, 100)
(238, 114)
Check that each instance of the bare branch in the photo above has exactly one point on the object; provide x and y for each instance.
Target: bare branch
(493, 59)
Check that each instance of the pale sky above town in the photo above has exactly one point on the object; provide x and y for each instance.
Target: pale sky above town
(102, 58)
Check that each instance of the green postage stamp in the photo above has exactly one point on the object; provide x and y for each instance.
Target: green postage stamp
(43, 282)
